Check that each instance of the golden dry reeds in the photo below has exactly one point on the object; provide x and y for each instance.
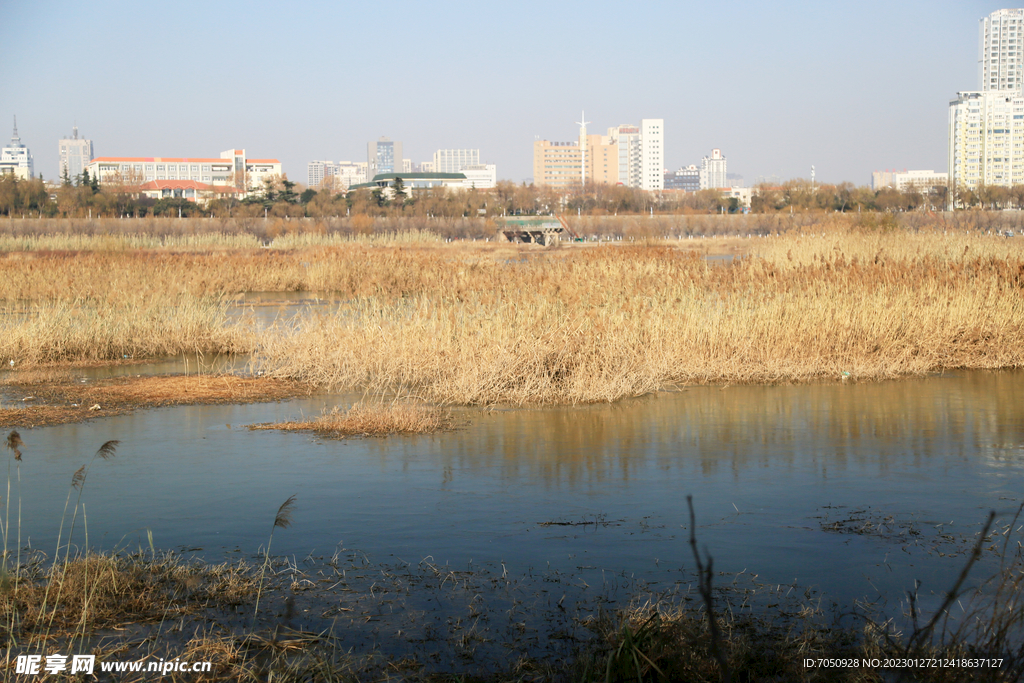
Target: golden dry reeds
(370, 419)
(129, 328)
(488, 323)
(612, 322)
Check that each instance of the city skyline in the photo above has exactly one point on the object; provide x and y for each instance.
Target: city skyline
(777, 86)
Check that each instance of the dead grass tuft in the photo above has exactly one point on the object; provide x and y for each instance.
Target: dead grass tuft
(97, 591)
(370, 419)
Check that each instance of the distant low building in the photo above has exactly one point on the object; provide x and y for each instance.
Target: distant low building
(232, 168)
(481, 176)
(188, 189)
(686, 178)
(901, 181)
(742, 194)
(415, 181)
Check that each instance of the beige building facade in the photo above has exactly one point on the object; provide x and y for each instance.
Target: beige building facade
(557, 164)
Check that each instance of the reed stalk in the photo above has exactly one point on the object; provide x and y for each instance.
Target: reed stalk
(282, 520)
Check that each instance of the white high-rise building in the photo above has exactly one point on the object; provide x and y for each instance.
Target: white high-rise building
(316, 171)
(454, 160)
(75, 155)
(986, 139)
(713, 171)
(343, 174)
(652, 154)
(1000, 58)
(15, 157)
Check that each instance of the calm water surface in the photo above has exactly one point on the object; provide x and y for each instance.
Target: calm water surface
(597, 490)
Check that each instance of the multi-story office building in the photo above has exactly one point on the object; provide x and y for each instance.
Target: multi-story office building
(905, 180)
(686, 178)
(986, 139)
(383, 156)
(602, 160)
(480, 176)
(557, 164)
(652, 154)
(712, 171)
(233, 167)
(349, 173)
(1001, 50)
(75, 155)
(626, 139)
(628, 155)
(454, 160)
(15, 158)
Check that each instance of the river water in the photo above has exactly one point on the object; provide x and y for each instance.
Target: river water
(853, 490)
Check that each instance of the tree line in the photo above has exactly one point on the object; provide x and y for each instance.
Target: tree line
(281, 198)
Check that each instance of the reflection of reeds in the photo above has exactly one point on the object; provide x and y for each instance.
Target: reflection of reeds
(370, 419)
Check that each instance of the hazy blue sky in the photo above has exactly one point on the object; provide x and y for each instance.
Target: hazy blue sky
(850, 87)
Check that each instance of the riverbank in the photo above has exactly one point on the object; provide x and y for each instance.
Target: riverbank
(48, 397)
(347, 618)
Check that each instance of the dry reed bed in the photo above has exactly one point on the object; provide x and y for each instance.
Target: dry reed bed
(614, 322)
(132, 327)
(482, 323)
(205, 241)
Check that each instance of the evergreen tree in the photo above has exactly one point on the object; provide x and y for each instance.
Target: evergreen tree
(288, 193)
(399, 188)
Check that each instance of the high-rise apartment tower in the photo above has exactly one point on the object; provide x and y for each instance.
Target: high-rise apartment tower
(1000, 59)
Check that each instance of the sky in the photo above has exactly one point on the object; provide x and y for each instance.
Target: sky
(849, 87)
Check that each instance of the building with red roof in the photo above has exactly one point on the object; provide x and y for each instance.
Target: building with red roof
(232, 168)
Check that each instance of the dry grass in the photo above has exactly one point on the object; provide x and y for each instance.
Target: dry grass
(96, 591)
(65, 400)
(497, 323)
(612, 322)
(370, 419)
(65, 332)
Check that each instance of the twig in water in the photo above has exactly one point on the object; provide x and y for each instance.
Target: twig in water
(704, 575)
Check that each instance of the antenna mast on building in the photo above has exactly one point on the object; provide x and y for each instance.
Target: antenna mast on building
(582, 123)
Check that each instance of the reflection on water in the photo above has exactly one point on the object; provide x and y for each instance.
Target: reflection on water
(766, 466)
(263, 309)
